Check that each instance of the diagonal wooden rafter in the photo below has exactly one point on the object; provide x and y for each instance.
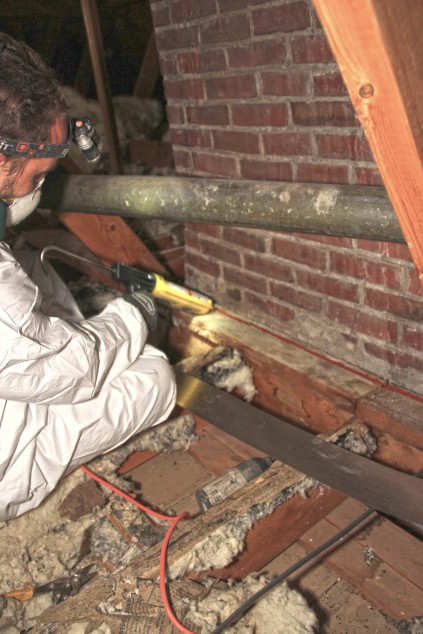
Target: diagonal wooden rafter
(379, 48)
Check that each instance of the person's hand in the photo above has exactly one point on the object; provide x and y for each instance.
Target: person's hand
(146, 305)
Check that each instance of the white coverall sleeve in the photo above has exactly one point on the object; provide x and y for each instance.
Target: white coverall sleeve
(51, 360)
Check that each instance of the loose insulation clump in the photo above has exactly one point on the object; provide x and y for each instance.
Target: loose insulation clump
(224, 368)
(221, 546)
(281, 610)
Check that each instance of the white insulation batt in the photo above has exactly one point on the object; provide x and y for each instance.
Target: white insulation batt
(280, 610)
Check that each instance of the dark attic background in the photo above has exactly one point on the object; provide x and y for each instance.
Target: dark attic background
(252, 91)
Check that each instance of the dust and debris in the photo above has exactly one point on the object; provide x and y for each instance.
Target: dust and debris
(280, 610)
(224, 368)
(415, 627)
(43, 545)
(358, 439)
(369, 555)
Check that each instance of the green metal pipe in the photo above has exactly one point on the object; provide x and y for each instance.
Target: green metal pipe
(335, 210)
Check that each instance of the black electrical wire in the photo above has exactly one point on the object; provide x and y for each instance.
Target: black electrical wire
(289, 571)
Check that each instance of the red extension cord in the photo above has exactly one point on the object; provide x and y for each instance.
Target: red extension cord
(174, 521)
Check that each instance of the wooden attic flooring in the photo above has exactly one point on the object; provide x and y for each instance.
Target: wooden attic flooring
(371, 582)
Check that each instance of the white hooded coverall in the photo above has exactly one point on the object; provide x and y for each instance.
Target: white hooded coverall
(70, 388)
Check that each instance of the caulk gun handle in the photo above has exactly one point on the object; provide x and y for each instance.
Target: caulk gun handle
(133, 279)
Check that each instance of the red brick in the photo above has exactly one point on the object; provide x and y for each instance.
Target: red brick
(260, 114)
(202, 264)
(220, 252)
(244, 279)
(175, 114)
(257, 54)
(368, 176)
(397, 251)
(288, 144)
(233, 5)
(231, 87)
(329, 85)
(372, 272)
(243, 142)
(320, 173)
(232, 293)
(192, 241)
(187, 10)
(266, 170)
(168, 65)
(324, 113)
(258, 302)
(182, 159)
(415, 284)
(186, 89)
(251, 239)
(413, 337)
(160, 15)
(333, 241)
(215, 231)
(225, 29)
(328, 286)
(215, 165)
(394, 250)
(270, 268)
(374, 326)
(394, 304)
(176, 37)
(311, 50)
(208, 115)
(191, 137)
(294, 296)
(196, 62)
(394, 357)
(374, 246)
(280, 312)
(285, 84)
(301, 253)
(343, 146)
(285, 18)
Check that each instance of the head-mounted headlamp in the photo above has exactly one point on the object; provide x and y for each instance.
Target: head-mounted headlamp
(80, 130)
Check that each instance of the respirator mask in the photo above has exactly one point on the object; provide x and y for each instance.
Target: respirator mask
(23, 206)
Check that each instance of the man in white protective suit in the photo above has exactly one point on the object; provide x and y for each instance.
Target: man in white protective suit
(70, 388)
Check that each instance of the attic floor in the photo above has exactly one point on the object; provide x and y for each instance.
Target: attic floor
(372, 582)
(340, 603)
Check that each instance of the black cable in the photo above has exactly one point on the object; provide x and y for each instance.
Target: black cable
(289, 571)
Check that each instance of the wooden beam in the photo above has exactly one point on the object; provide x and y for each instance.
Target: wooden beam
(149, 70)
(96, 48)
(378, 47)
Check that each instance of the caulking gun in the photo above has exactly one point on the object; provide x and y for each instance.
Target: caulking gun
(174, 295)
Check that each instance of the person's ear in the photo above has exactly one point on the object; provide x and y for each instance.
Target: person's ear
(3, 160)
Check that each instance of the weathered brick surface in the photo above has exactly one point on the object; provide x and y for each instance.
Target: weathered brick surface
(253, 92)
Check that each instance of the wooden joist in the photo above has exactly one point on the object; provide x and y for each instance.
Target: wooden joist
(315, 392)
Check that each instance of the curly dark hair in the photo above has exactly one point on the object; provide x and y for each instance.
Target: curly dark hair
(31, 98)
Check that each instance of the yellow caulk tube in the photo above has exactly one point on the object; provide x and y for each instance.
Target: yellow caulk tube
(181, 297)
(174, 295)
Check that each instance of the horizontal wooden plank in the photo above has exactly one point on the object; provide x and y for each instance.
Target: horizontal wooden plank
(374, 577)
(389, 542)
